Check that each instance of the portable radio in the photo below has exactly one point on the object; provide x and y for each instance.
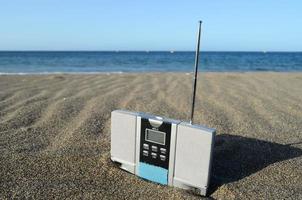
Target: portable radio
(162, 150)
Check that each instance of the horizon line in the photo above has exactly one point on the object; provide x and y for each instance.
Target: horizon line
(148, 51)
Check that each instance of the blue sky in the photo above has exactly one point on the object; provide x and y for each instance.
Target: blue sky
(231, 25)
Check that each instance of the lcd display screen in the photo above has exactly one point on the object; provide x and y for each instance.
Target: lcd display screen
(155, 136)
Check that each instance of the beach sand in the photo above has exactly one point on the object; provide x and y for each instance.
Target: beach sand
(55, 133)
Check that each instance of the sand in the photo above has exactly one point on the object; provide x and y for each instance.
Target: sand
(55, 133)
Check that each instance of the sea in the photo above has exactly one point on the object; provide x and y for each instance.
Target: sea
(51, 62)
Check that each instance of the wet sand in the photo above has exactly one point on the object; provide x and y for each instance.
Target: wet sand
(55, 133)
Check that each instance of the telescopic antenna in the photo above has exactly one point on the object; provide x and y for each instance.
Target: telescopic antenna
(195, 73)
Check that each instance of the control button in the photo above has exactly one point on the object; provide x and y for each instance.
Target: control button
(154, 155)
(145, 153)
(146, 146)
(154, 148)
(163, 150)
(162, 157)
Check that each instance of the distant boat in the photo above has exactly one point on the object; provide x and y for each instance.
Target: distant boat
(147, 51)
(264, 51)
(171, 51)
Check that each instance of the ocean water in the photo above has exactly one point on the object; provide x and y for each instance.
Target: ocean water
(40, 62)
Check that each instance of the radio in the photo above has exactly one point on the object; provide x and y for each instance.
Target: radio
(162, 150)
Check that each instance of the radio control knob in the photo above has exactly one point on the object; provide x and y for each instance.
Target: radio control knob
(146, 146)
(163, 150)
(154, 148)
(154, 155)
(145, 153)
(162, 157)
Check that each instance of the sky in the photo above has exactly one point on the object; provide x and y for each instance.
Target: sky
(228, 25)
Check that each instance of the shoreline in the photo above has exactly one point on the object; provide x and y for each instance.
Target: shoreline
(137, 72)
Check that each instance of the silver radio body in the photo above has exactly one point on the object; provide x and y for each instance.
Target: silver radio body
(165, 151)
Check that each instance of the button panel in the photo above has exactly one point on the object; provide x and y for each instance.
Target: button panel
(153, 152)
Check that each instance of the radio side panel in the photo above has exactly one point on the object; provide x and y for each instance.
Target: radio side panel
(194, 146)
(172, 153)
(137, 141)
(123, 137)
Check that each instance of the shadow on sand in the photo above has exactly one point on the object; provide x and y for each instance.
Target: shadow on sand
(237, 157)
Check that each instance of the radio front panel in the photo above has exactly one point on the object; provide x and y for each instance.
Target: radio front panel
(155, 143)
(154, 136)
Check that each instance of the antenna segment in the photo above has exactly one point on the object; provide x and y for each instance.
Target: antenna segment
(195, 73)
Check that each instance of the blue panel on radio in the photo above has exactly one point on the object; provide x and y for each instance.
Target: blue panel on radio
(153, 173)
